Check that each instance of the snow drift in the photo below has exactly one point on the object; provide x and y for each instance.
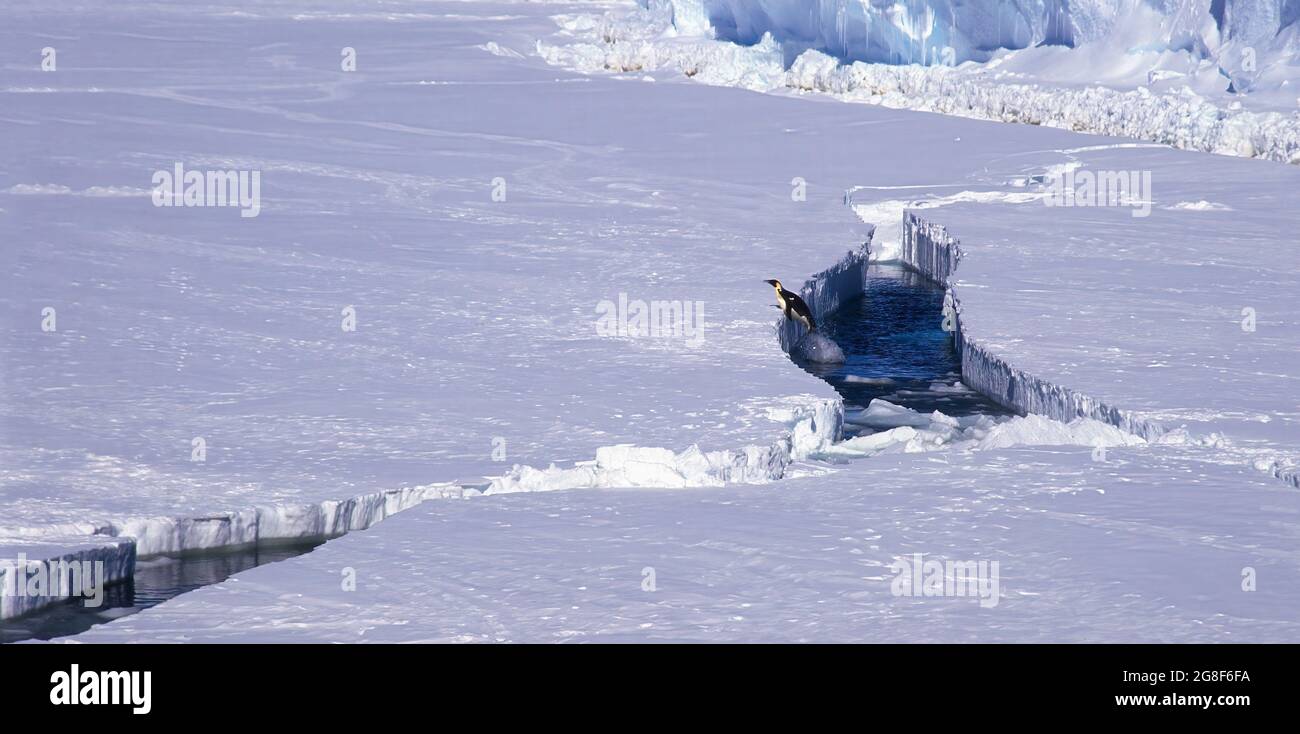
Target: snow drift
(814, 425)
(898, 429)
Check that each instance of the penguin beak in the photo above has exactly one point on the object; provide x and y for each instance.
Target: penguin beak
(771, 283)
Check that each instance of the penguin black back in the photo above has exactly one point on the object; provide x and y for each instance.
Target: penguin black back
(793, 306)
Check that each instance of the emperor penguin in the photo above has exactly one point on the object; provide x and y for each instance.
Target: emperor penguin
(793, 306)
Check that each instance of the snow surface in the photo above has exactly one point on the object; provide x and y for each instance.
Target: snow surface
(476, 320)
(477, 329)
(1140, 548)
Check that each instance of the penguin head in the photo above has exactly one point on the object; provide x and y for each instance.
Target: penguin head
(774, 283)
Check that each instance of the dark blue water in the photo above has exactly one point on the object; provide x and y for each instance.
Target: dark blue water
(156, 580)
(897, 350)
